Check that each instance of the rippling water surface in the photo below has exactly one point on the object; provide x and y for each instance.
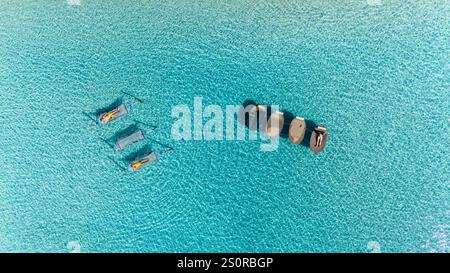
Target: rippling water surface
(375, 72)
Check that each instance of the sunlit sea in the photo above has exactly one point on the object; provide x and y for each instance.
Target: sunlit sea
(375, 72)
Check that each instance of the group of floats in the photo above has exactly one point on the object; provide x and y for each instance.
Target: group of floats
(275, 124)
(129, 138)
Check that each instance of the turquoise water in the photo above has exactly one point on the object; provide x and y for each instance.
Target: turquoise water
(376, 75)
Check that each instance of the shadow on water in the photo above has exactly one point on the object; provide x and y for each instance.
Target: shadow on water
(310, 126)
(93, 115)
(125, 132)
(141, 152)
(116, 103)
(248, 102)
(288, 118)
(128, 131)
(120, 134)
(244, 118)
(154, 145)
(110, 107)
